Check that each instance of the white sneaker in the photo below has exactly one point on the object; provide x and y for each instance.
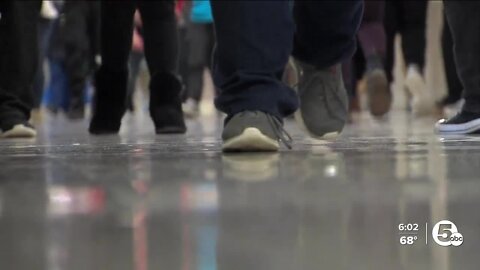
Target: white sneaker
(19, 131)
(191, 108)
(417, 88)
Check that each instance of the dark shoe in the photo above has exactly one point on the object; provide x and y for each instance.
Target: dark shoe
(463, 123)
(323, 108)
(254, 131)
(166, 104)
(109, 101)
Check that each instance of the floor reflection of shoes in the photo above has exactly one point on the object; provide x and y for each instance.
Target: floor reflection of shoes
(251, 167)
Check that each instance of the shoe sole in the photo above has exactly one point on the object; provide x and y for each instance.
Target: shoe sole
(466, 128)
(19, 131)
(416, 86)
(329, 136)
(379, 97)
(251, 140)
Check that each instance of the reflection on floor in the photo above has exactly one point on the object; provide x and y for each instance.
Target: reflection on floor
(139, 201)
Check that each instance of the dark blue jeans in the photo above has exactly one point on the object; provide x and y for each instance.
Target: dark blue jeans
(255, 39)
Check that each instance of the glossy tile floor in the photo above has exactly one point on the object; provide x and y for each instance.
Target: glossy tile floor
(144, 202)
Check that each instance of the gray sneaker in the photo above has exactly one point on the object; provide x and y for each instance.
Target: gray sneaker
(254, 131)
(323, 108)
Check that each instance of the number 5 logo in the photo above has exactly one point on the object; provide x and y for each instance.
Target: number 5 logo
(445, 233)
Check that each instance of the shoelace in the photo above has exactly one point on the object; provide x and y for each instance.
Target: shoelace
(280, 132)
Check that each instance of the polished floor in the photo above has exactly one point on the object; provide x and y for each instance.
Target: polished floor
(142, 202)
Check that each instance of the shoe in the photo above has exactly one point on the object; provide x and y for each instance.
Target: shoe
(166, 105)
(21, 130)
(109, 104)
(323, 108)
(191, 108)
(416, 86)
(254, 131)
(462, 123)
(378, 91)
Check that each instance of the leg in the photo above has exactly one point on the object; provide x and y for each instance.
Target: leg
(372, 41)
(464, 23)
(413, 28)
(391, 25)
(323, 39)
(453, 82)
(326, 36)
(111, 79)
(18, 62)
(76, 55)
(252, 50)
(197, 59)
(413, 32)
(161, 54)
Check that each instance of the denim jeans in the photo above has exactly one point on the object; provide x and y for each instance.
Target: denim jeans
(255, 39)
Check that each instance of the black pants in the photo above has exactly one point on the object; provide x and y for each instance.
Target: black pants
(18, 59)
(255, 39)
(201, 40)
(81, 37)
(454, 85)
(407, 18)
(160, 34)
(464, 20)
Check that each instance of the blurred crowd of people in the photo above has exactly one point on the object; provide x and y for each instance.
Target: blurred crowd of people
(91, 53)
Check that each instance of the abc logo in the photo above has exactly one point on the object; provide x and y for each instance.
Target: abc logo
(445, 233)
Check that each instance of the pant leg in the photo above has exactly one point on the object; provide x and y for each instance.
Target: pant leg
(160, 35)
(464, 20)
(77, 45)
(413, 31)
(326, 31)
(454, 84)
(391, 24)
(198, 54)
(371, 34)
(116, 30)
(254, 40)
(18, 58)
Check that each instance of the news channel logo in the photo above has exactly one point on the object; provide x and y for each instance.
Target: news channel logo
(445, 233)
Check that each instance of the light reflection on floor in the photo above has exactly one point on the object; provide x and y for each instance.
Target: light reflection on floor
(139, 201)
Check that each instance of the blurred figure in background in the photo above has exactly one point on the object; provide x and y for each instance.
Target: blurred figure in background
(56, 96)
(135, 61)
(201, 40)
(48, 15)
(369, 60)
(161, 52)
(81, 38)
(18, 66)
(408, 18)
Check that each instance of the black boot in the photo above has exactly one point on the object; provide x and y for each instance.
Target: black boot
(165, 104)
(109, 101)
